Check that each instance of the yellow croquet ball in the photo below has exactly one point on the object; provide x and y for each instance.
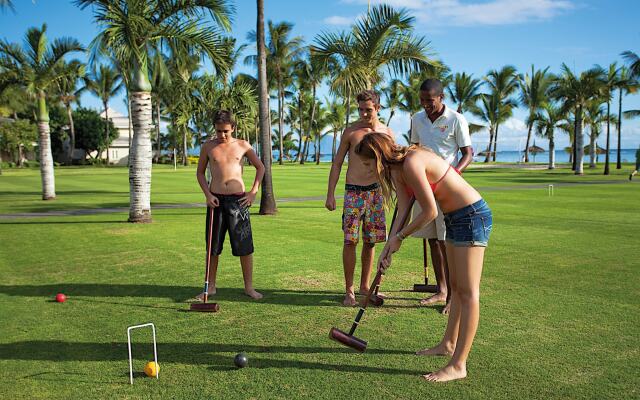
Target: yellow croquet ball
(152, 369)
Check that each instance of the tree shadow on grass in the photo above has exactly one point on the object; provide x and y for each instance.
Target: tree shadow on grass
(196, 354)
(181, 294)
(12, 222)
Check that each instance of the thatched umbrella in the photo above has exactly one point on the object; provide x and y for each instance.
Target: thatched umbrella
(535, 150)
(599, 150)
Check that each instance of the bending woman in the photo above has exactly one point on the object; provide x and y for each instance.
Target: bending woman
(419, 172)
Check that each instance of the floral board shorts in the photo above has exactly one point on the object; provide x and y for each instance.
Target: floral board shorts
(363, 203)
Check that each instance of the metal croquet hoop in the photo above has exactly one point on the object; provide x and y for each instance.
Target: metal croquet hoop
(155, 349)
(550, 190)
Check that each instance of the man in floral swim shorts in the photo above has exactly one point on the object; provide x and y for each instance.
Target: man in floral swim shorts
(363, 201)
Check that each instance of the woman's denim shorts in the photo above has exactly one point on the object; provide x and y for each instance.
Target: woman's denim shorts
(470, 225)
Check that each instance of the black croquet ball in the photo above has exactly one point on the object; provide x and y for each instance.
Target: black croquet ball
(241, 360)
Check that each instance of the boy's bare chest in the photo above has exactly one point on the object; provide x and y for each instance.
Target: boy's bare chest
(226, 154)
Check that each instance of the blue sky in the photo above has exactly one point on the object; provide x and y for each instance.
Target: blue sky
(468, 35)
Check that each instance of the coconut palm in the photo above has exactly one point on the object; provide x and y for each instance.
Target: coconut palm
(634, 63)
(267, 199)
(502, 84)
(464, 91)
(610, 82)
(382, 39)
(129, 30)
(282, 53)
(392, 94)
(547, 120)
(627, 83)
(36, 66)
(104, 83)
(67, 92)
(335, 118)
(494, 111)
(576, 91)
(595, 115)
(7, 5)
(534, 89)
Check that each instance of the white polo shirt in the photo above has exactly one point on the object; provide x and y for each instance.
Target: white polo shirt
(445, 135)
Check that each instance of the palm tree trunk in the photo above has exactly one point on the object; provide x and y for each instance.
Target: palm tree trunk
(267, 199)
(495, 144)
(487, 157)
(319, 139)
(46, 157)
(158, 147)
(574, 148)
(106, 128)
(579, 143)
(130, 125)
(300, 135)
(526, 149)
(606, 156)
(618, 162)
(141, 157)
(185, 161)
(72, 131)
(307, 148)
(592, 149)
(280, 121)
(390, 116)
(333, 148)
(552, 151)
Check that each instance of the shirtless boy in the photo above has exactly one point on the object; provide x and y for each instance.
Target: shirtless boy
(362, 198)
(227, 197)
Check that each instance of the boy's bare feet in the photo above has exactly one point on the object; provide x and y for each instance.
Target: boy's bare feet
(446, 309)
(349, 300)
(253, 294)
(446, 374)
(436, 298)
(200, 297)
(439, 350)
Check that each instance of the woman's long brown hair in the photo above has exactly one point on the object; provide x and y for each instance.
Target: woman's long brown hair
(381, 148)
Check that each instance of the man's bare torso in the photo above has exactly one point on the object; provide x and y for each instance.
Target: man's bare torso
(226, 165)
(357, 173)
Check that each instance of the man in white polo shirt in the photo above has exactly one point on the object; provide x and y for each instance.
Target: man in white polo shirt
(446, 132)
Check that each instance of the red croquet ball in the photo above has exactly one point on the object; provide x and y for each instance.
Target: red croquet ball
(61, 298)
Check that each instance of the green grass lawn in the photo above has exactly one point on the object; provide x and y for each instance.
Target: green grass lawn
(560, 315)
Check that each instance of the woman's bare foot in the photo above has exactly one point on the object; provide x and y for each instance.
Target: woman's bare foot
(439, 350)
(446, 309)
(366, 292)
(200, 297)
(253, 294)
(436, 298)
(349, 300)
(446, 374)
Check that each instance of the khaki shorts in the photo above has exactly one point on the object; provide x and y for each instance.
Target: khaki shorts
(433, 230)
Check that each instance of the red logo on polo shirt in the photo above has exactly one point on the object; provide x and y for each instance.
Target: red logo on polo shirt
(443, 128)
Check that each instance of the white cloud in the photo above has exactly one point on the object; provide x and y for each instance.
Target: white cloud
(477, 13)
(338, 20)
(515, 124)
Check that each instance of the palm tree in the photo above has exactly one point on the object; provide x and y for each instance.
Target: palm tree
(7, 5)
(393, 97)
(267, 199)
(131, 28)
(627, 84)
(594, 116)
(36, 66)
(67, 93)
(104, 83)
(611, 81)
(464, 90)
(335, 118)
(382, 39)
(534, 89)
(503, 84)
(576, 91)
(493, 111)
(282, 53)
(546, 121)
